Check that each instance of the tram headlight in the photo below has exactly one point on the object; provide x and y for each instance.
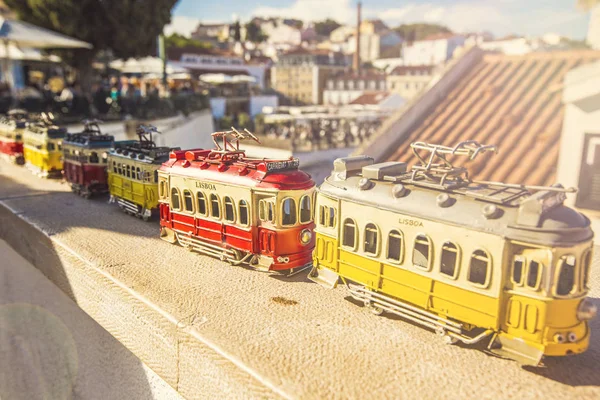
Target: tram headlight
(305, 236)
(560, 338)
(572, 337)
(586, 310)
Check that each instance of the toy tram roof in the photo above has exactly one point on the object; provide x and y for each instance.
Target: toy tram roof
(13, 123)
(533, 218)
(52, 131)
(88, 140)
(243, 171)
(134, 149)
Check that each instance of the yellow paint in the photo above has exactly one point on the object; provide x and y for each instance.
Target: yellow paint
(141, 193)
(37, 154)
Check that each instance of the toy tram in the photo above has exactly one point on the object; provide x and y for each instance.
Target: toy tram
(255, 212)
(11, 135)
(132, 173)
(85, 158)
(42, 147)
(471, 260)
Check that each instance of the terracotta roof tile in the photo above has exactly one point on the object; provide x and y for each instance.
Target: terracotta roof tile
(371, 98)
(513, 102)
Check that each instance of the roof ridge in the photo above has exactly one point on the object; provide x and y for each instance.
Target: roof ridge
(542, 55)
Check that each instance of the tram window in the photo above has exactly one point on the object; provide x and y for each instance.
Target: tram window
(19, 137)
(270, 212)
(59, 147)
(394, 249)
(243, 212)
(331, 217)
(533, 274)
(587, 261)
(114, 167)
(566, 275)
(215, 209)
(138, 174)
(349, 234)
(305, 213)
(449, 259)
(94, 159)
(51, 147)
(517, 275)
(288, 214)
(262, 211)
(175, 199)
(322, 215)
(229, 209)
(371, 244)
(188, 203)
(201, 203)
(478, 270)
(105, 158)
(422, 252)
(120, 170)
(162, 189)
(155, 176)
(129, 171)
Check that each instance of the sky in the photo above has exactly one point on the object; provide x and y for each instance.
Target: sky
(501, 17)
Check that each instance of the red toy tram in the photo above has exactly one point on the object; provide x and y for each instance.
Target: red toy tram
(11, 135)
(256, 212)
(85, 157)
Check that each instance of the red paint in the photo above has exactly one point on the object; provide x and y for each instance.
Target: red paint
(11, 148)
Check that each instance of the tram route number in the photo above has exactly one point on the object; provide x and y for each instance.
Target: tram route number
(279, 165)
(410, 222)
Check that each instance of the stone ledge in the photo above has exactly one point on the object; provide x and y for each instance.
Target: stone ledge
(211, 330)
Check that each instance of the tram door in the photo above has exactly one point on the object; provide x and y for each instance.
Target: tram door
(267, 217)
(589, 175)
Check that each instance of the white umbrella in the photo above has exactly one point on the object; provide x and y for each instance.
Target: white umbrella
(215, 78)
(243, 78)
(24, 34)
(146, 65)
(28, 35)
(28, 54)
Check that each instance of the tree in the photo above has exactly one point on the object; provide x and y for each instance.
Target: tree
(126, 27)
(237, 31)
(412, 32)
(180, 41)
(324, 28)
(254, 33)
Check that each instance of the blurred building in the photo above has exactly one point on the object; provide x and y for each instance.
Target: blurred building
(214, 33)
(433, 50)
(300, 74)
(593, 34)
(375, 38)
(379, 100)
(344, 87)
(517, 102)
(201, 61)
(408, 81)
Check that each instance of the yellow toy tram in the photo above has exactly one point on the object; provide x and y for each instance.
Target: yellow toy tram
(42, 147)
(132, 173)
(468, 259)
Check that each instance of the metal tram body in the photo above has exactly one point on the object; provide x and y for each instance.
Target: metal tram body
(255, 212)
(471, 260)
(42, 147)
(11, 135)
(132, 173)
(85, 158)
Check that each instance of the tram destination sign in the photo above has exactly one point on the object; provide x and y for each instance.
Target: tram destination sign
(282, 165)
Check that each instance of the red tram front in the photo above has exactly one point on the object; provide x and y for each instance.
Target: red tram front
(256, 212)
(11, 135)
(85, 157)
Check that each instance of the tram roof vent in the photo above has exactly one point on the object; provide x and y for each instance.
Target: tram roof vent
(379, 171)
(349, 166)
(533, 208)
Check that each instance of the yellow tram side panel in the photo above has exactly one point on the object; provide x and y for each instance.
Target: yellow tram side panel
(455, 298)
(143, 194)
(42, 158)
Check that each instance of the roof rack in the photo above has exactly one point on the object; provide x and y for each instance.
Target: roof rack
(92, 126)
(231, 140)
(145, 132)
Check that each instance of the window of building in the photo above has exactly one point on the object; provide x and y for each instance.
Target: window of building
(349, 233)
(422, 252)
(373, 85)
(361, 84)
(243, 212)
(175, 205)
(215, 207)
(395, 249)
(288, 212)
(201, 200)
(305, 211)
(450, 260)
(478, 269)
(371, 243)
(565, 284)
(229, 209)
(534, 274)
(517, 273)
